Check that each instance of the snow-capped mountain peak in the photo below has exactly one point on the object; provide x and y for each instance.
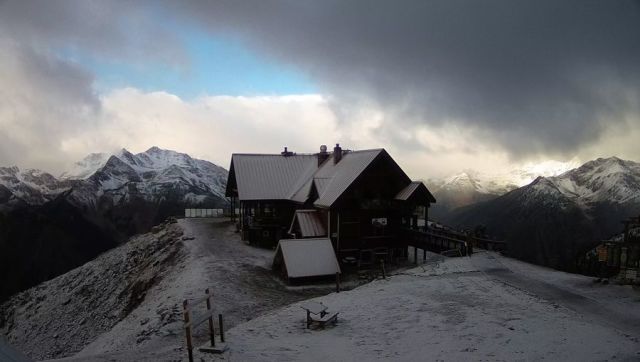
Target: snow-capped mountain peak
(86, 167)
(157, 175)
(154, 175)
(29, 186)
(604, 179)
(474, 181)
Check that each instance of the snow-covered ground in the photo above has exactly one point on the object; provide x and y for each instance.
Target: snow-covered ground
(126, 306)
(455, 310)
(211, 255)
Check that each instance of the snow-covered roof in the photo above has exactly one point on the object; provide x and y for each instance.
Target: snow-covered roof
(293, 177)
(309, 224)
(271, 177)
(337, 177)
(416, 191)
(308, 257)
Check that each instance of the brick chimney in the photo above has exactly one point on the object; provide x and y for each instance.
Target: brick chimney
(337, 153)
(322, 155)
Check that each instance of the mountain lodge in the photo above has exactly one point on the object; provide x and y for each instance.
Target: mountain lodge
(359, 200)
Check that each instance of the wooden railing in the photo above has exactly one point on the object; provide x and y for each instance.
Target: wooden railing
(191, 322)
(448, 242)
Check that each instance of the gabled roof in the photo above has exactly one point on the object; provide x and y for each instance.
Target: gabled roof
(333, 179)
(296, 177)
(271, 177)
(416, 192)
(309, 223)
(307, 257)
(303, 193)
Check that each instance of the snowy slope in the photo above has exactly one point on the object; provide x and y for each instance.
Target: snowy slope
(62, 315)
(126, 305)
(554, 219)
(455, 310)
(471, 186)
(86, 167)
(155, 175)
(29, 186)
(604, 179)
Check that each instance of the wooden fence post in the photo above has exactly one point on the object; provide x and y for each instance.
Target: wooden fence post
(384, 274)
(185, 305)
(212, 332)
(221, 328)
(337, 282)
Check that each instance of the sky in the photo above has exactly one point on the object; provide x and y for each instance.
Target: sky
(442, 85)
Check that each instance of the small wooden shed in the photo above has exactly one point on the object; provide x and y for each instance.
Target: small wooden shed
(301, 260)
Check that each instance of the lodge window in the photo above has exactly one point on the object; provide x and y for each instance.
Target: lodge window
(378, 226)
(268, 210)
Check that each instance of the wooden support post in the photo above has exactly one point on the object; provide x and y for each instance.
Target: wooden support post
(212, 333)
(221, 328)
(384, 274)
(185, 305)
(337, 282)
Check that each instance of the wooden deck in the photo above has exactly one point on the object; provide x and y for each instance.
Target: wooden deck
(446, 242)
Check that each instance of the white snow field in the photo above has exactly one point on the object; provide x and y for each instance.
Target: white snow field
(457, 310)
(483, 308)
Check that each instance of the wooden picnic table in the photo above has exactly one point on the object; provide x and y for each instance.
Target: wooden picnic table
(320, 310)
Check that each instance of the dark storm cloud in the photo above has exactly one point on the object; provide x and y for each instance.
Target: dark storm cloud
(534, 76)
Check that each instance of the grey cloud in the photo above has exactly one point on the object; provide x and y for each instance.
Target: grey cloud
(132, 31)
(46, 98)
(531, 76)
(42, 100)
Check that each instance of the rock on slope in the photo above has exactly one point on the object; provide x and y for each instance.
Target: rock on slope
(554, 219)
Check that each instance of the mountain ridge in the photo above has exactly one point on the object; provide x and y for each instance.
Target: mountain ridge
(100, 205)
(151, 175)
(553, 219)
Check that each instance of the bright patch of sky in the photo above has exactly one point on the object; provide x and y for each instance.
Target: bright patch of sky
(215, 66)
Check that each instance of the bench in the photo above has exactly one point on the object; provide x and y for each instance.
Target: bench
(318, 316)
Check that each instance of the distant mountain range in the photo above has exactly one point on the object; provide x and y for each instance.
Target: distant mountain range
(470, 186)
(155, 175)
(49, 224)
(553, 219)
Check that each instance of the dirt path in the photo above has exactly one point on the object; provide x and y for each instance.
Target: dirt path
(571, 291)
(240, 276)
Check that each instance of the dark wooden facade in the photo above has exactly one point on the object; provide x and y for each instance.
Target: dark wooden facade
(368, 214)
